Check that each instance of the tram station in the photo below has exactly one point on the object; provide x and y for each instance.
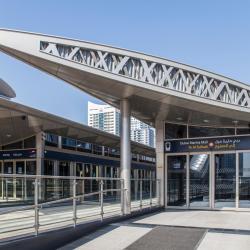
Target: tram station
(202, 119)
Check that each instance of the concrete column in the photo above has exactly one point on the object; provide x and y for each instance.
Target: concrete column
(159, 128)
(59, 141)
(126, 153)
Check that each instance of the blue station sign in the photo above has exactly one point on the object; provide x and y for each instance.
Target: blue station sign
(207, 144)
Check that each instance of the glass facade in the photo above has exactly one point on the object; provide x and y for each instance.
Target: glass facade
(207, 172)
(244, 180)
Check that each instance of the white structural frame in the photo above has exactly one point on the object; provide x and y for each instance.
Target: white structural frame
(155, 71)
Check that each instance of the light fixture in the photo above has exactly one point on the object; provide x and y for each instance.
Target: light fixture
(235, 122)
(206, 121)
(179, 118)
(8, 135)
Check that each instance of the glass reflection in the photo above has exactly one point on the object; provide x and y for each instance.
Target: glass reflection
(177, 180)
(199, 180)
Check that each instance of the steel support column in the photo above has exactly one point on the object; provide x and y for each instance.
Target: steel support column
(126, 153)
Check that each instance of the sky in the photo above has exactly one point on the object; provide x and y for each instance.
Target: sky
(212, 35)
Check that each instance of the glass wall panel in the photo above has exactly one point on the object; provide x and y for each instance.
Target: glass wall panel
(243, 131)
(20, 167)
(30, 142)
(64, 168)
(19, 182)
(199, 180)
(175, 131)
(225, 180)
(209, 132)
(244, 180)
(176, 192)
(48, 167)
(9, 183)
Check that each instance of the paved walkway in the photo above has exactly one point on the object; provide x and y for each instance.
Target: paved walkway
(222, 230)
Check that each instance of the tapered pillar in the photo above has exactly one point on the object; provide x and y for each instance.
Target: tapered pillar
(126, 153)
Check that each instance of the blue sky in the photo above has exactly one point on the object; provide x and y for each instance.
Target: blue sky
(213, 35)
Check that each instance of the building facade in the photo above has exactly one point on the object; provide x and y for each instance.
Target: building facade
(104, 117)
(107, 118)
(36, 143)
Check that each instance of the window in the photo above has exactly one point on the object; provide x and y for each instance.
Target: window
(48, 167)
(31, 167)
(209, 132)
(51, 140)
(175, 131)
(30, 142)
(15, 145)
(68, 143)
(243, 131)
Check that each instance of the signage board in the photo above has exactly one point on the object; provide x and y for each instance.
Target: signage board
(17, 154)
(207, 144)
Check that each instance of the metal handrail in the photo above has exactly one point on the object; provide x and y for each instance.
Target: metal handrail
(57, 177)
(76, 197)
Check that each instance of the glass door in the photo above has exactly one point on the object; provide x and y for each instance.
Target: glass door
(244, 180)
(224, 180)
(8, 189)
(176, 180)
(199, 176)
(20, 184)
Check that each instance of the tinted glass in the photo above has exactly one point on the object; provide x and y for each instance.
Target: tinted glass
(243, 131)
(209, 132)
(175, 131)
(177, 180)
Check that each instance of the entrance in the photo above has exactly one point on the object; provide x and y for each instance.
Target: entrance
(209, 180)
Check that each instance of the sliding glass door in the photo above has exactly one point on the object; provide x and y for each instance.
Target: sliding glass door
(225, 180)
(244, 180)
(176, 180)
(199, 169)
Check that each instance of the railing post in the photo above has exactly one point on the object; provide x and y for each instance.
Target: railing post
(150, 192)
(141, 194)
(36, 207)
(74, 203)
(101, 200)
(122, 197)
(6, 189)
(159, 194)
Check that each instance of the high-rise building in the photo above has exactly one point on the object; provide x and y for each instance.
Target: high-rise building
(142, 133)
(104, 117)
(107, 118)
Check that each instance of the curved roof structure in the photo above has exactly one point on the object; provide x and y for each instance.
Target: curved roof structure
(158, 89)
(21, 121)
(6, 90)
